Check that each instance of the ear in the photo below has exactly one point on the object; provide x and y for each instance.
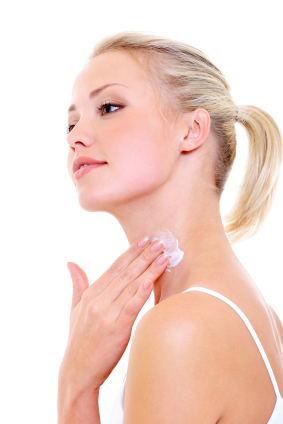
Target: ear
(197, 124)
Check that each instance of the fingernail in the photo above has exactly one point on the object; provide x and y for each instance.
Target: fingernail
(157, 245)
(161, 259)
(143, 241)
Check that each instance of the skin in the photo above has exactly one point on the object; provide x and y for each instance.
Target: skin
(157, 176)
(160, 175)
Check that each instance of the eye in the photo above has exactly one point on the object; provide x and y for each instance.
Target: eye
(69, 128)
(103, 106)
(106, 106)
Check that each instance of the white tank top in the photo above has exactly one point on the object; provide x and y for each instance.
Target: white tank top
(277, 414)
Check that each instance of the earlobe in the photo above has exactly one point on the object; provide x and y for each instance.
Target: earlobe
(198, 128)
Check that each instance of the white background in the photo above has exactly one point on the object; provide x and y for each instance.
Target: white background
(43, 47)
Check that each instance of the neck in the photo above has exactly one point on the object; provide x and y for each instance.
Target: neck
(198, 229)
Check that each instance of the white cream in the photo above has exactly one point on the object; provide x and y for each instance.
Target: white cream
(170, 247)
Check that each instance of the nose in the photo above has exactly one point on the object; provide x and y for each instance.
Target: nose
(80, 135)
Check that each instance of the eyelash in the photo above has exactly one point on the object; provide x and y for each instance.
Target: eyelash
(70, 127)
(107, 104)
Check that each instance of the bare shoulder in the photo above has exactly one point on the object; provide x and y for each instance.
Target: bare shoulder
(175, 360)
(278, 324)
(276, 317)
(183, 311)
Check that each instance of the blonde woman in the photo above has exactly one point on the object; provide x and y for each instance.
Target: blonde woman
(151, 131)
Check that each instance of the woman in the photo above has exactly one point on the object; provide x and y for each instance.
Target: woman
(151, 130)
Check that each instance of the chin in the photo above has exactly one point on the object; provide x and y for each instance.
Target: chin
(96, 201)
(91, 204)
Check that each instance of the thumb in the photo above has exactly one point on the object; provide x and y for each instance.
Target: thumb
(80, 282)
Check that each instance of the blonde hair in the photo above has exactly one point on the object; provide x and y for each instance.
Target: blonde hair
(186, 79)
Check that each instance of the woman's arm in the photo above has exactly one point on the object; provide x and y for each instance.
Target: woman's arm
(101, 320)
(74, 408)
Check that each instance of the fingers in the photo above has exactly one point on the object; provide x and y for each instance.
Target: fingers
(126, 258)
(118, 266)
(129, 313)
(135, 269)
(131, 308)
(134, 296)
(152, 273)
(80, 282)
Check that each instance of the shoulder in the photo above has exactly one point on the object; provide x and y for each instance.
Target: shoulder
(180, 314)
(277, 322)
(195, 314)
(174, 360)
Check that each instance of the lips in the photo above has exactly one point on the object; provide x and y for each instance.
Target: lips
(85, 160)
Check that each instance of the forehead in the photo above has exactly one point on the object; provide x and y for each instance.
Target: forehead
(109, 67)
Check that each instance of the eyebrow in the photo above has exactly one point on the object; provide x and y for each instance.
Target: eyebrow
(95, 92)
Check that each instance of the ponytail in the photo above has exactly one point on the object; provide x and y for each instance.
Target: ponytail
(257, 192)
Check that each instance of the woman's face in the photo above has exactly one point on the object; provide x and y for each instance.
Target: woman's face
(130, 136)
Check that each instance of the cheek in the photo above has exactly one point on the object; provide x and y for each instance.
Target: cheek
(142, 158)
(70, 159)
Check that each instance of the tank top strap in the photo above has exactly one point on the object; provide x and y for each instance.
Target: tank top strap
(250, 327)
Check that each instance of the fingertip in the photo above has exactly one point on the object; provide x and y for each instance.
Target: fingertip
(73, 268)
(143, 242)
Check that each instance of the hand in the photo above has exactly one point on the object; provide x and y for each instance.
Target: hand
(102, 315)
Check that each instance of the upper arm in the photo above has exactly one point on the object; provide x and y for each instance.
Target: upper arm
(172, 373)
(277, 319)
(278, 325)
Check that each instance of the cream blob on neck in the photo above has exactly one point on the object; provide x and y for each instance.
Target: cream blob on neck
(170, 247)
